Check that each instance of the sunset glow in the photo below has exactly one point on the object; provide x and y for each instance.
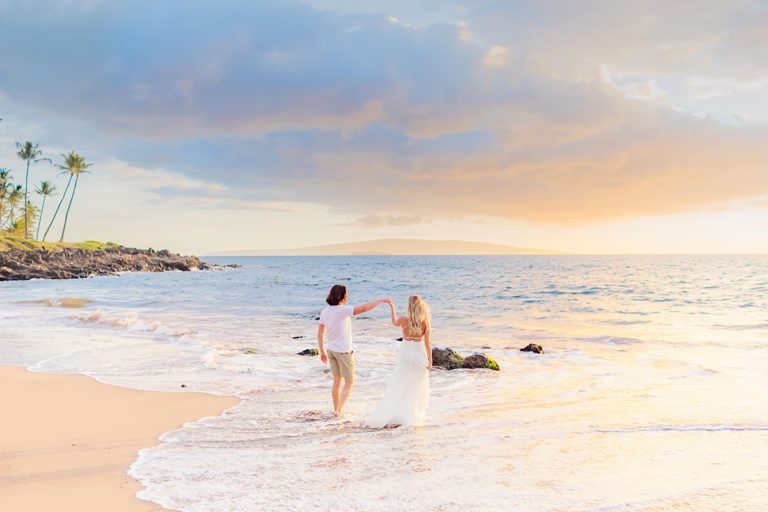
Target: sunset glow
(607, 127)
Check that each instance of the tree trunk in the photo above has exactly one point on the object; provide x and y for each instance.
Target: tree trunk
(66, 215)
(40, 220)
(57, 208)
(26, 214)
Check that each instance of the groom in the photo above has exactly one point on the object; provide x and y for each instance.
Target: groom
(336, 325)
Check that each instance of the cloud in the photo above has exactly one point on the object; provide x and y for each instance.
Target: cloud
(496, 56)
(374, 221)
(392, 119)
(646, 91)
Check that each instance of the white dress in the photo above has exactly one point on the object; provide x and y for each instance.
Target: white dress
(407, 395)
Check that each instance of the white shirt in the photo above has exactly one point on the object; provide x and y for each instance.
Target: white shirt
(338, 327)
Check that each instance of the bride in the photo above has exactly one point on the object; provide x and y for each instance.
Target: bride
(405, 400)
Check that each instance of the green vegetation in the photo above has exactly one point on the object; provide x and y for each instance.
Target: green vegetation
(9, 241)
(492, 364)
(19, 215)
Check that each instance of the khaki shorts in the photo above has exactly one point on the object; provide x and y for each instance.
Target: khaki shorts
(342, 364)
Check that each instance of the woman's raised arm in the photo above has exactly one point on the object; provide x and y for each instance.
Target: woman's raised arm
(392, 311)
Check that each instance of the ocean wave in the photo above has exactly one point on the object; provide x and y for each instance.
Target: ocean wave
(717, 427)
(612, 340)
(132, 322)
(591, 291)
(743, 327)
(63, 302)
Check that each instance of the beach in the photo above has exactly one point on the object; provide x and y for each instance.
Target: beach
(66, 441)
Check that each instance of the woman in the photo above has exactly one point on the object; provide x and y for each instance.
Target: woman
(405, 401)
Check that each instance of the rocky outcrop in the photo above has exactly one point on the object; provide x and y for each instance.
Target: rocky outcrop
(450, 360)
(17, 265)
(308, 352)
(446, 358)
(532, 347)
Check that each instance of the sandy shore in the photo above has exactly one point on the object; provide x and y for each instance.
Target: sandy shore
(66, 441)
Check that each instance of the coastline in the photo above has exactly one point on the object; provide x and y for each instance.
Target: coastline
(75, 263)
(67, 441)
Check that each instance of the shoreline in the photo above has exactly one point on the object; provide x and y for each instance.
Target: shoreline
(68, 440)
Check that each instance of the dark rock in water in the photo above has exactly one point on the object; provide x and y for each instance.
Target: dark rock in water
(480, 361)
(532, 347)
(309, 352)
(250, 351)
(317, 318)
(446, 358)
(450, 360)
(183, 385)
(398, 339)
(296, 337)
(71, 263)
(485, 347)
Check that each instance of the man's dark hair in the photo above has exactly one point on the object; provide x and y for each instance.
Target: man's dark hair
(336, 295)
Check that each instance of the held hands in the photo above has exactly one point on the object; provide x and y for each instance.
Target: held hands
(388, 300)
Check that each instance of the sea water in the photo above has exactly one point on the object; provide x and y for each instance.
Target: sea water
(651, 394)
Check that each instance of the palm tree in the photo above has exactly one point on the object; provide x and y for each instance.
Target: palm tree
(18, 226)
(46, 189)
(5, 185)
(75, 165)
(14, 196)
(30, 153)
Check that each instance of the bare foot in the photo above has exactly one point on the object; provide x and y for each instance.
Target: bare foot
(336, 414)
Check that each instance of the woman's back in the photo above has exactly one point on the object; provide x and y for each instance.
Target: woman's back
(408, 333)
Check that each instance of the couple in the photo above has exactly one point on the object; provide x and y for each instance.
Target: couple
(405, 400)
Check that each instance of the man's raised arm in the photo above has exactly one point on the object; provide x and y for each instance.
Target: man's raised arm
(367, 306)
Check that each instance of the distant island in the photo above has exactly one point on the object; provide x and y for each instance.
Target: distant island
(394, 247)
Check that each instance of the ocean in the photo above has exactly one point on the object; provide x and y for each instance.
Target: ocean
(651, 394)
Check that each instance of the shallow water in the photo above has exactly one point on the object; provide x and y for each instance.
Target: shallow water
(651, 394)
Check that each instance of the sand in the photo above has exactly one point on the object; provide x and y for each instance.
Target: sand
(66, 441)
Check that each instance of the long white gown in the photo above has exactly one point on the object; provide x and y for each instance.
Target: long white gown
(407, 395)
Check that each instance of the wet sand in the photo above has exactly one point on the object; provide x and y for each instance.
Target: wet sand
(66, 441)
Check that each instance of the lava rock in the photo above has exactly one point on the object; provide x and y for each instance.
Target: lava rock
(398, 339)
(70, 263)
(308, 352)
(446, 358)
(532, 347)
(478, 360)
(296, 337)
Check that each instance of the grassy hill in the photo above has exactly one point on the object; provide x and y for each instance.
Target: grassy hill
(9, 242)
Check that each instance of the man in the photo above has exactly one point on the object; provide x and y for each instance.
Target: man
(336, 325)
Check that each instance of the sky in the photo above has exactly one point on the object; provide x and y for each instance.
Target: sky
(594, 126)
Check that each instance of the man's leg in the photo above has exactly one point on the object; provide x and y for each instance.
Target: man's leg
(335, 393)
(345, 392)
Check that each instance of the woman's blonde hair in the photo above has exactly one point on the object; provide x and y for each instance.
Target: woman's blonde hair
(418, 314)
